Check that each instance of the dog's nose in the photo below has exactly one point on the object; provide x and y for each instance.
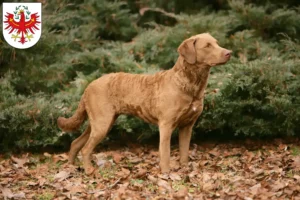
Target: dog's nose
(228, 53)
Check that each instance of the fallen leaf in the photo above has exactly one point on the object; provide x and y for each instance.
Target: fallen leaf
(60, 157)
(193, 174)
(121, 192)
(41, 181)
(100, 159)
(181, 194)
(214, 152)
(2, 168)
(163, 176)
(141, 173)
(20, 161)
(152, 178)
(296, 162)
(207, 186)
(117, 157)
(124, 173)
(206, 177)
(99, 194)
(48, 155)
(203, 163)
(30, 183)
(276, 186)
(297, 177)
(175, 177)
(254, 189)
(283, 147)
(135, 160)
(62, 175)
(164, 184)
(19, 195)
(101, 162)
(174, 164)
(7, 193)
(77, 189)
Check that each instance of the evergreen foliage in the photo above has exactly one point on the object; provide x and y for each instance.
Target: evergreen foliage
(256, 94)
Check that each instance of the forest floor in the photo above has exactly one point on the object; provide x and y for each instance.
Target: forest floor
(217, 170)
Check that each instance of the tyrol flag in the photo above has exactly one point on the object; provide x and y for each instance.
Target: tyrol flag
(22, 24)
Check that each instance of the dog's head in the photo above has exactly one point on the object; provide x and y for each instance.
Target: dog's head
(203, 48)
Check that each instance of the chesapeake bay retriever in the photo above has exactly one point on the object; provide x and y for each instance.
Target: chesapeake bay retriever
(169, 99)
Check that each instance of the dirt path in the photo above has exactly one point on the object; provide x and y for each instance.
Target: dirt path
(248, 170)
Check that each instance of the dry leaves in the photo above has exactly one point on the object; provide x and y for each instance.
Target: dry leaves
(243, 170)
(62, 175)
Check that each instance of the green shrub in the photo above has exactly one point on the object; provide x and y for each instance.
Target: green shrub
(259, 99)
(266, 20)
(255, 94)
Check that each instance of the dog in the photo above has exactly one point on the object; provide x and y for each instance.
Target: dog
(169, 99)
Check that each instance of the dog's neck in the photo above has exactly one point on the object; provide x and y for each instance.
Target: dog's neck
(192, 79)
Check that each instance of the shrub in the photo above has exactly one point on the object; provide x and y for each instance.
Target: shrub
(255, 94)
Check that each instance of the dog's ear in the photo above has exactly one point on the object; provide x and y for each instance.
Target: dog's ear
(188, 51)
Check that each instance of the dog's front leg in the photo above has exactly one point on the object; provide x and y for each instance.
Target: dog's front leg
(185, 134)
(165, 132)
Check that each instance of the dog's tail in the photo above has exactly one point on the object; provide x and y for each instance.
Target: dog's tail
(73, 123)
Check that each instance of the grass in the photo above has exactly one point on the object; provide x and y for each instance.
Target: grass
(45, 196)
(151, 187)
(136, 181)
(295, 150)
(108, 173)
(177, 185)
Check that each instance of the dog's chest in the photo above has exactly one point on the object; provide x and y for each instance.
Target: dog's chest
(190, 112)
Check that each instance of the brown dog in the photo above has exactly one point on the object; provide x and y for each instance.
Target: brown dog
(169, 99)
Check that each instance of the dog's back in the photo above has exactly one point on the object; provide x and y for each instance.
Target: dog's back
(133, 94)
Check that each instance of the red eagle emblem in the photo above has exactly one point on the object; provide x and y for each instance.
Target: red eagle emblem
(22, 27)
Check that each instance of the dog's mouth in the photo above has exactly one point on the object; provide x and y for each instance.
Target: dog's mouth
(220, 63)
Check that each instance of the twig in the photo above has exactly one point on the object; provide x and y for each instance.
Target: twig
(108, 187)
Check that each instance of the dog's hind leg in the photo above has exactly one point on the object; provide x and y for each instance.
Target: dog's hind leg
(78, 143)
(99, 129)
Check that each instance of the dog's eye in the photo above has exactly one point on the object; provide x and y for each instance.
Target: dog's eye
(208, 45)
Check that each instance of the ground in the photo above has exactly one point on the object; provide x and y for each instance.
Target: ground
(217, 170)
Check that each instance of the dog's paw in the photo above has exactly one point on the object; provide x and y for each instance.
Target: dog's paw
(184, 162)
(165, 169)
(71, 160)
(89, 170)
